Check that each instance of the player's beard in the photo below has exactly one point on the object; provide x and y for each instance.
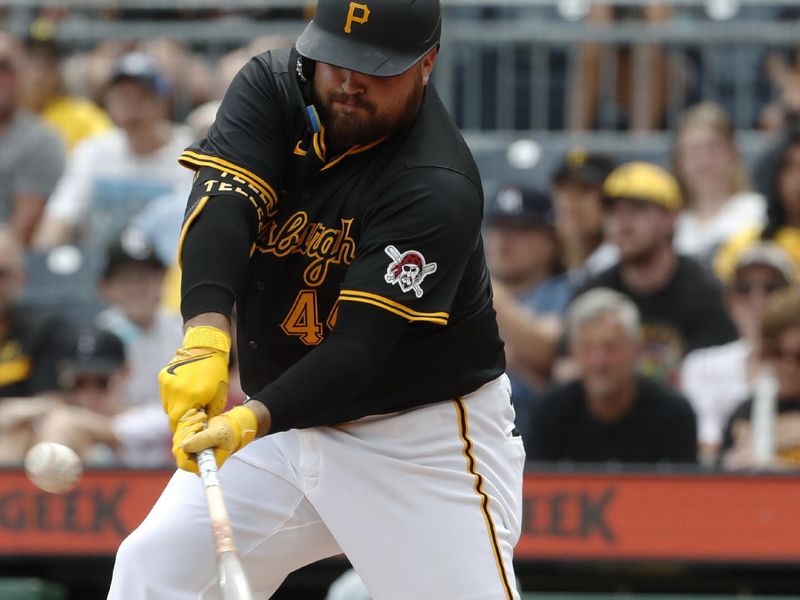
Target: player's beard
(343, 130)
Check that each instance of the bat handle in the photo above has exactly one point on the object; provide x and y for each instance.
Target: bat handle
(232, 579)
(207, 464)
(220, 522)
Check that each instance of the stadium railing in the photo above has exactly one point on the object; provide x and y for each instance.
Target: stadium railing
(506, 64)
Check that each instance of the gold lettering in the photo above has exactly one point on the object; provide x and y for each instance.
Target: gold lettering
(323, 245)
(352, 17)
(256, 197)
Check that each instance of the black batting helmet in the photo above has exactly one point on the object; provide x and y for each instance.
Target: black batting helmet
(375, 37)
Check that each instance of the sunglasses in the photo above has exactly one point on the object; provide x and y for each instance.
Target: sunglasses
(93, 381)
(746, 289)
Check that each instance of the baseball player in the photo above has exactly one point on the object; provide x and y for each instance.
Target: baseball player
(337, 207)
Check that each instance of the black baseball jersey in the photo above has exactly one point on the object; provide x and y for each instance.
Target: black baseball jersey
(394, 224)
(30, 350)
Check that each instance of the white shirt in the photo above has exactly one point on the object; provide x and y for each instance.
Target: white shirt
(105, 178)
(144, 436)
(701, 239)
(714, 380)
(146, 350)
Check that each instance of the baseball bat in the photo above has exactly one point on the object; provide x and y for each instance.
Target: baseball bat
(233, 583)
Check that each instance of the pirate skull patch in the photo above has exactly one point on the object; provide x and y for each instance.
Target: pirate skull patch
(407, 270)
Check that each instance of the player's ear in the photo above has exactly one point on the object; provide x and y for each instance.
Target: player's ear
(426, 64)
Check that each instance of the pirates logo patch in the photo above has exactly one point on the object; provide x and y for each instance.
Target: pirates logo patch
(407, 269)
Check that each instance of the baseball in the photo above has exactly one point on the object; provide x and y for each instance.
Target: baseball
(52, 467)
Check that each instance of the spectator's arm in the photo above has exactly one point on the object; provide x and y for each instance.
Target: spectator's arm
(17, 413)
(532, 339)
(25, 216)
(78, 428)
(34, 181)
(69, 202)
(19, 418)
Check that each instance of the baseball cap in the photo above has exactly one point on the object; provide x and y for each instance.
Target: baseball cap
(584, 167)
(644, 182)
(133, 247)
(767, 254)
(41, 39)
(139, 67)
(520, 206)
(382, 38)
(96, 351)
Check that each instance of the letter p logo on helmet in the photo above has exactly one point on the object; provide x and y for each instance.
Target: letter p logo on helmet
(357, 13)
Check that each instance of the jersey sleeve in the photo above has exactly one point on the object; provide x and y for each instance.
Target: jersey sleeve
(246, 147)
(416, 241)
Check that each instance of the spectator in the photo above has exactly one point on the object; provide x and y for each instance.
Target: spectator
(31, 155)
(784, 77)
(779, 180)
(112, 176)
(780, 331)
(187, 73)
(42, 90)
(717, 379)
(201, 118)
(530, 290)
(31, 342)
(611, 413)
(132, 284)
(90, 71)
(679, 301)
(90, 417)
(229, 64)
(714, 182)
(578, 203)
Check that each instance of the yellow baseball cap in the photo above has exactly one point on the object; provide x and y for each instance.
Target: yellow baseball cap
(645, 182)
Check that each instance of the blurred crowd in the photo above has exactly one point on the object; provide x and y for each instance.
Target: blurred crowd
(651, 314)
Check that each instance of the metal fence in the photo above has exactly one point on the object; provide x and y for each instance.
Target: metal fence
(534, 71)
(517, 65)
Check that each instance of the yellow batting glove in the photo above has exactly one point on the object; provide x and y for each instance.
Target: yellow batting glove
(197, 376)
(226, 433)
(192, 422)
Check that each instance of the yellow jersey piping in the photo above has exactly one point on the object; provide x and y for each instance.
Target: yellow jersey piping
(187, 223)
(439, 318)
(463, 428)
(202, 160)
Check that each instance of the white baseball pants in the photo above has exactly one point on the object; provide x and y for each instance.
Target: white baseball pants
(426, 504)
